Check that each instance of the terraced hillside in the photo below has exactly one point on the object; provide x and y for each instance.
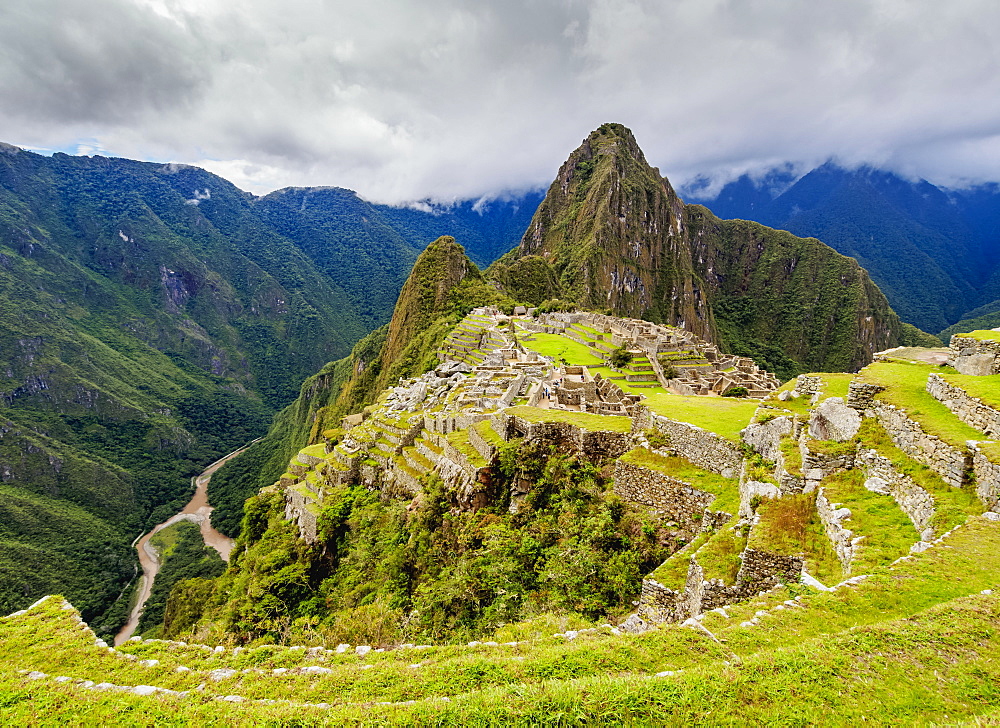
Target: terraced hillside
(913, 642)
(828, 554)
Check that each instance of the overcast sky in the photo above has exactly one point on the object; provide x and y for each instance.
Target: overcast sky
(409, 99)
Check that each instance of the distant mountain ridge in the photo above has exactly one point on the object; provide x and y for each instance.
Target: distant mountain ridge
(934, 252)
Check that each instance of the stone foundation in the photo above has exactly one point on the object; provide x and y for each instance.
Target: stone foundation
(975, 357)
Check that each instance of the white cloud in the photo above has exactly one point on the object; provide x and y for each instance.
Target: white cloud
(462, 98)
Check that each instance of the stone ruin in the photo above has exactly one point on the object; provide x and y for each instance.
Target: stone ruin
(699, 367)
(977, 357)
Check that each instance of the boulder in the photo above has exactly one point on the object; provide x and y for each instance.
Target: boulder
(977, 365)
(834, 420)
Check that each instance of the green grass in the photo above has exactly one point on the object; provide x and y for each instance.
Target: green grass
(485, 428)
(725, 416)
(630, 387)
(460, 440)
(952, 505)
(584, 420)
(720, 554)
(726, 490)
(790, 525)
(985, 388)
(792, 455)
(888, 532)
(908, 645)
(561, 348)
(982, 335)
(318, 450)
(906, 387)
(672, 573)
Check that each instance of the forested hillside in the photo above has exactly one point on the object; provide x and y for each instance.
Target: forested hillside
(933, 252)
(153, 318)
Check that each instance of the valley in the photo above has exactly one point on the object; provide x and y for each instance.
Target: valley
(197, 511)
(648, 465)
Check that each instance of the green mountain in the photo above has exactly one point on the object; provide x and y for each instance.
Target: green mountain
(932, 251)
(612, 234)
(154, 317)
(442, 287)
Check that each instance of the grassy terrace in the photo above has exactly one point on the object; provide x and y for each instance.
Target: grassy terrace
(607, 372)
(888, 533)
(561, 348)
(725, 416)
(909, 645)
(952, 505)
(317, 451)
(790, 525)
(584, 420)
(982, 335)
(485, 429)
(906, 387)
(726, 490)
(460, 440)
(985, 388)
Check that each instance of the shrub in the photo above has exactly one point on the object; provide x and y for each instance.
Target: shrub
(736, 392)
(620, 357)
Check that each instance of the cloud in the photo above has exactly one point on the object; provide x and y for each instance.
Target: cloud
(451, 99)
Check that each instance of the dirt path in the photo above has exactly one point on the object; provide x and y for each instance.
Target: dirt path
(197, 510)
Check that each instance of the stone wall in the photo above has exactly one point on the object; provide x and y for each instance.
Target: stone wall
(703, 448)
(806, 385)
(914, 501)
(843, 540)
(762, 570)
(675, 499)
(817, 465)
(483, 446)
(947, 461)
(596, 445)
(659, 604)
(987, 479)
(297, 508)
(975, 357)
(861, 395)
(967, 408)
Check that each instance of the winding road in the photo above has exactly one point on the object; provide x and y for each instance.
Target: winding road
(198, 511)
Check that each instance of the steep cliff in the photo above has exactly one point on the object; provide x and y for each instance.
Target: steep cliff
(612, 234)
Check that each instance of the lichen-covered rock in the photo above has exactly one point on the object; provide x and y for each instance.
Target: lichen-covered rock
(834, 420)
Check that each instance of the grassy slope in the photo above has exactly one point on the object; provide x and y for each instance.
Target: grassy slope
(905, 384)
(724, 416)
(908, 644)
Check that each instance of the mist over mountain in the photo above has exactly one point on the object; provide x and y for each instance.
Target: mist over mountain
(934, 252)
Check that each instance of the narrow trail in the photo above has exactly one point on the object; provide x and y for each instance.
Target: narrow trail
(198, 511)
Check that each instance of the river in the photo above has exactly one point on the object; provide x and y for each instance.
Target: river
(198, 511)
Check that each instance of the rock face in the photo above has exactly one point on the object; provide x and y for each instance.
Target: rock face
(612, 233)
(834, 420)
